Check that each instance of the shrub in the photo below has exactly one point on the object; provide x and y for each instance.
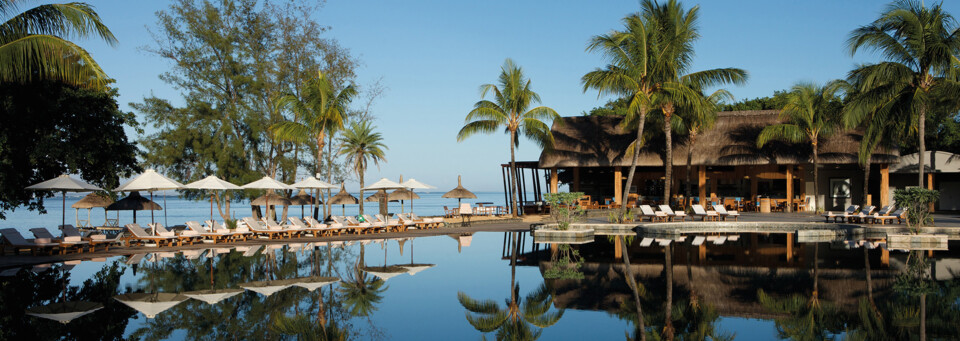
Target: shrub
(916, 202)
(564, 209)
(566, 263)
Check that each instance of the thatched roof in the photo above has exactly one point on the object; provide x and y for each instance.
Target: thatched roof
(402, 194)
(93, 200)
(599, 141)
(270, 198)
(459, 192)
(302, 198)
(343, 198)
(134, 202)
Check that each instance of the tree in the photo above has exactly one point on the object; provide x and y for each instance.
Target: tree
(318, 111)
(510, 110)
(810, 113)
(50, 129)
(232, 62)
(360, 144)
(696, 119)
(918, 44)
(33, 45)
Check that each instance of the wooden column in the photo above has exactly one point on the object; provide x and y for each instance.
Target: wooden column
(617, 250)
(554, 180)
(789, 178)
(885, 256)
(617, 185)
(930, 187)
(576, 179)
(702, 183)
(789, 247)
(884, 184)
(702, 252)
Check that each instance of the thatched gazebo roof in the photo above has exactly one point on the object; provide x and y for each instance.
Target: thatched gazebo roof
(376, 196)
(459, 192)
(134, 202)
(274, 200)
(599, 141)
(302, 198)
(402, 194)
(343, 198)
(93, 200)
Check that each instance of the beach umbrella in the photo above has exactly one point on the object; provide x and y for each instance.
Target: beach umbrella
(151, 304)
(403, 194)
(267, 183)
(151, 181)
(385, 272)
(313, 183)
(64, 312)
(343, 199)
(89, 202)
(302, 198)
(134, 202)
(413, 184)
(459, 192)
(382, 185)
(313, 283)
(64, 183)
(212, 296)
(212, 183)
(413, 269)
(267, 288)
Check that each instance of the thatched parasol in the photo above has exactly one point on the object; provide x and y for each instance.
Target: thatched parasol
(402, 194)
(343, 199)
(302, 198)
(459, 192)
(271, 199)
(376, 196)
(90, 202)
(134, 202)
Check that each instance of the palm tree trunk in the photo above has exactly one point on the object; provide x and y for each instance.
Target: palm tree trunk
(668, 155)
(513, 271)
(921, 143)
(360, 172)
(816, 178)
(320, 157)
(632, 282)
(869, 278)
(668, 309)
(328, 208)
(923, 317)
(513, 174)
(633, 164)
(689, 187)
(866, 181)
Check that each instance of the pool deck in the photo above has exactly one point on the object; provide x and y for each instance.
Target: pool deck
(945, 223)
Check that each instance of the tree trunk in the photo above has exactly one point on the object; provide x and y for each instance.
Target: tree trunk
(816, 178)
(816, 271)
(633, 164)
(923, 146)
(923, 317)
(513, 272)
(360, 172)
(513, 174)
(869, 278)
(668, 154)
(632, 282)
(689, 186)
(668, 309)
(319, 169)
(328, 207)
(866, 182)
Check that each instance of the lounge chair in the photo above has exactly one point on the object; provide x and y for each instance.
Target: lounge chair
(671, 214)
(204, 233)
(450, 212)
(139, 236)
(241, 232)
(398, 224)
(703, 214)
(376, 225)
(351, 224)
(862, 215)
(331, 228)
(647, 212)
(188, 236)
(724, 214)
(431, 221)
(841, 216)
(75, 243)
(259, 229)
(11, 238)
(293, 230)
(317, 231)
(93, 239)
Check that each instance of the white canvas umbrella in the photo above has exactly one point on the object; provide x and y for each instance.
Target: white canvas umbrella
(64, 184)
(413, 269)
(212, 296)
(151, 304)
(313, 183)
(151, 181)
(383, 185)
(64, 312)
(413, 185)
(313, 283)
(212, 183)
(267, 183)
(267, 288)
(385, 272)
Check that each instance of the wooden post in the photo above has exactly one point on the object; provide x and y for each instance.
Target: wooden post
(884, 184)
(617, 251)
(789, 177)
(789, 247)
(702, 183)
(554, 180)
(702, 252)
(617, 186)
(576, 179)
(930, 187)
(885, 256)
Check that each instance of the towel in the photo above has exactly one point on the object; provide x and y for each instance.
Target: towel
(98, 237)
(41, 241)
(71, 239)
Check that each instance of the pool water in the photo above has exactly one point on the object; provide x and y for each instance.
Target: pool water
(464, 286)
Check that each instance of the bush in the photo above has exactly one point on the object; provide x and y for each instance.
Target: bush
(564, 208)
(565, 264)
(916, 204)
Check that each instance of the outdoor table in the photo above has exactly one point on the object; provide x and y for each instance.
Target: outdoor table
(764, 205)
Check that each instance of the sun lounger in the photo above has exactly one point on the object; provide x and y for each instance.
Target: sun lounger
(135, 258)
(398, 224)
(305, 228)
(431, 221)
(704, 215)
(664, 242)
(720, 240)
(241, 232)
(184, 236)
(14, 240)
(330, 228)
(292, 230)
(671, 214)
(861, 216)
(646, 242)
(883, 218)
(723, 213)
(207, 235)
(352, 224)
(647, 212)
(139, 236)
(698, 240)
(259, 229)
(75, 243)
(841, 216)
(376, 225)
(93, 239)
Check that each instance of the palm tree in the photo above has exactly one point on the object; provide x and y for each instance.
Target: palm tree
(635, 288)
(304, 329)
(676, 33)
(360, 294)
(32, 44)
(510, 109)
(918, 44)
(361, 144)
(321, 111)
(696, 119)
(811, 112)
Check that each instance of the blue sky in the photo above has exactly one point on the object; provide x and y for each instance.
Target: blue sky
(433, 55)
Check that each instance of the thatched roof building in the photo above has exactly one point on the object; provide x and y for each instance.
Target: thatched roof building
(599, 141)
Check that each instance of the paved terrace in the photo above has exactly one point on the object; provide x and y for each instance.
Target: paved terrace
(943, 221)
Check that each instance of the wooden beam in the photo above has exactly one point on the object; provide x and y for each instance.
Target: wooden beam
(789, 247)
(702, 183)
(554, 180)
(576, 179)
(617, 186)
(884, 184)
(930, 187)
(789, 178)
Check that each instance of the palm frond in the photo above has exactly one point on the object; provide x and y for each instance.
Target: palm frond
(35, 57)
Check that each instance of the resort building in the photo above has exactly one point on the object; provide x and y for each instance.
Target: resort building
(590, 156)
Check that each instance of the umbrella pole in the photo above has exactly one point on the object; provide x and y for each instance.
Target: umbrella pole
(63, 214)
(165, 210)
(211, 206)
(151, 215)
(344, 209)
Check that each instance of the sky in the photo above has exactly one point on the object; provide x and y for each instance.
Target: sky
(432, 57)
